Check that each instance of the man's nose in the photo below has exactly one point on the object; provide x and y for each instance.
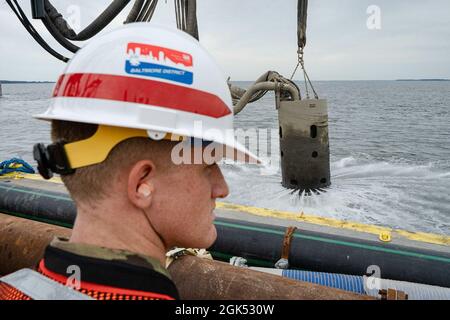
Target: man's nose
(220, 186)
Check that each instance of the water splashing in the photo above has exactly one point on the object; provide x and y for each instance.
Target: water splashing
(400, 195)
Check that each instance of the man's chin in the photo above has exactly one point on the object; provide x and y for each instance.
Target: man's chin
(207, 239)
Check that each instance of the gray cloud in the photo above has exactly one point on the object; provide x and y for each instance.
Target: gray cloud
(249, 37)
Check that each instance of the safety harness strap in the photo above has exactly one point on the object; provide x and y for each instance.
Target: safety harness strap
(39, 287)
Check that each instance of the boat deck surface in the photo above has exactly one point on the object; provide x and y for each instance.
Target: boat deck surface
(333, 227)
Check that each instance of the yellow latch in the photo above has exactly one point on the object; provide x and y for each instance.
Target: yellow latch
(385, 236)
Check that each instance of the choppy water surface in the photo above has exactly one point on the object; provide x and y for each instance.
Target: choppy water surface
(389, 143)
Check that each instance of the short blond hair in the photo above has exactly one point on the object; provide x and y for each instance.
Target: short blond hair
(90, 183)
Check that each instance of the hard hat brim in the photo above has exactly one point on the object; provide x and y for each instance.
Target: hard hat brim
(107, 136)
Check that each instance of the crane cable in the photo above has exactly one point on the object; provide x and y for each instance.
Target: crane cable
(147, 11)
(186, 16)
(134, 12)
(302, 15)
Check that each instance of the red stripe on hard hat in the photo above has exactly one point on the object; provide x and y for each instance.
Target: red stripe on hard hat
(142, 91)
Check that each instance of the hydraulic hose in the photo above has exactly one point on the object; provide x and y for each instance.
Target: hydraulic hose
(15, 7)
(92, 29)
(265, 86)
(302, 14)
(58, 36)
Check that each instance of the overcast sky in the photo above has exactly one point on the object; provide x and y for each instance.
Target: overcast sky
(248, 37)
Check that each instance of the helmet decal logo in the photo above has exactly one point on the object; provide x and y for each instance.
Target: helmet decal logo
(158, 62)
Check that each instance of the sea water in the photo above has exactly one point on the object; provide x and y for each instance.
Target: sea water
(389, 145)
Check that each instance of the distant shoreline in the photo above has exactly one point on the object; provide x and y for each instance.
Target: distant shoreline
(422, 80)
(22, 82)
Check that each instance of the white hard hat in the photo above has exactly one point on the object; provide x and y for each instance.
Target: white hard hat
(148, 77)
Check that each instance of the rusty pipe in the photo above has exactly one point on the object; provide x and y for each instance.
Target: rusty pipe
(202, 279)
(23, 241)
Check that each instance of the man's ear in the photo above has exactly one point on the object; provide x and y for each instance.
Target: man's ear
(140, 183)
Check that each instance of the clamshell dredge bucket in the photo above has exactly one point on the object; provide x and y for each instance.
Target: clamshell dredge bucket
(304, 144)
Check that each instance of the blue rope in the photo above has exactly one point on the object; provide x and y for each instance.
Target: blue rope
(8, 166)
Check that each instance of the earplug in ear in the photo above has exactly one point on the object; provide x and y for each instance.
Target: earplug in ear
(144, 190)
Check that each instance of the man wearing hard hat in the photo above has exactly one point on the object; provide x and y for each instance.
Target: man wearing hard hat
(139, 119)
